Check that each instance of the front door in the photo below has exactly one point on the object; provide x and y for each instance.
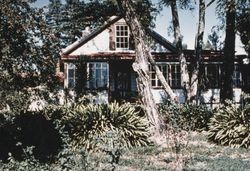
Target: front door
(121, 78)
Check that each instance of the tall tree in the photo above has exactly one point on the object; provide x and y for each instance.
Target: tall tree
(227, 11)
(195, 64)
(188, 87)
(214, 38)
(226, 91)
(28, 50)
(242, 26)
(140, 65)
(178, 40)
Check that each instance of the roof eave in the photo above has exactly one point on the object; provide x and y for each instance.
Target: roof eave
(85, 39)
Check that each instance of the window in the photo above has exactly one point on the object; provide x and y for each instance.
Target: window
(98, 75)
(212, 72)
(175, 76)
(171, 72)
(236, 76)
(122, 37)
(154, 80)
(71, 75)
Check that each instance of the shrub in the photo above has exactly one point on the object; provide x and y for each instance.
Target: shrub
(88, 123)
(16, 100)
(8, 134)
(186, 117)
(27, 164)
(36, 130)
(25, 130)
(231, 125)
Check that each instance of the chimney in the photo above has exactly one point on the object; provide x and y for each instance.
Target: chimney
(86, 31)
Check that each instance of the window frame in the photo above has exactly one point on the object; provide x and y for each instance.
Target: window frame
(237, 76)
(217, 77)
(124, 37)
(93, 82)
(71, 66)
(174, 80)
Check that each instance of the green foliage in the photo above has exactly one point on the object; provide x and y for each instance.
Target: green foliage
(28, 52)
(30, 99)
(29, 163)
(69, 19)
(89, 123)
(242, 20)
(230, 125)
(187, 117)
(28, 129)
(15, 100)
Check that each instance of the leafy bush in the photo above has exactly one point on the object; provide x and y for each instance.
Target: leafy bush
(87, 124)
(25, 130)
(36, 130)
(8, 134)
(230, 125)
(187, 117)
(16, 100)
(28, 163)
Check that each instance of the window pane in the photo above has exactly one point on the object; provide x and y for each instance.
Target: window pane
(122, 37)
(236, 76)
(212, 75)
(99, 74)
(71, 73)
(153, 83)
(71, 83)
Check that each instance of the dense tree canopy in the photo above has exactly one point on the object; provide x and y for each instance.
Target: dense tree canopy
(28, 49)
(242, 25)
(69, 19)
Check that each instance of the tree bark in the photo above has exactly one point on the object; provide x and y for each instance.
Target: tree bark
(178, 40)
(141, 66)
(163, 81)
(194, 92)
(226, 91)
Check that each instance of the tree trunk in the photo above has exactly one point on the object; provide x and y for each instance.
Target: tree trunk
(141, 66)
(178, 40)
(193, 93)
(226, 91)
(163, 81)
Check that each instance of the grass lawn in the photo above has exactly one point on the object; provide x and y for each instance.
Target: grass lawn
(195, 154)
(191, 152)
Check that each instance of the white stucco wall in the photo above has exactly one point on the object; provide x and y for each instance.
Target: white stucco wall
(160, 96)
(98, 44)
(212, 95)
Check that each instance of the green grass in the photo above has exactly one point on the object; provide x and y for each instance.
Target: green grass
(199, 154)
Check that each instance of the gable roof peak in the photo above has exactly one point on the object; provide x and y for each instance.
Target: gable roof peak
(88, 35)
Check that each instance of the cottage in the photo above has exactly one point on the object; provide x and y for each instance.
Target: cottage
(104, 60)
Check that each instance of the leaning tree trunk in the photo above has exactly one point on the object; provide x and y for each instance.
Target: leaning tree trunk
(178, 40)
(193, 93)
(226, 91)
(162, 79)
(141, 66)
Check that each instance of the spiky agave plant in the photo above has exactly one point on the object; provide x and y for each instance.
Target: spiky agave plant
(230, 125)
(92, 122)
